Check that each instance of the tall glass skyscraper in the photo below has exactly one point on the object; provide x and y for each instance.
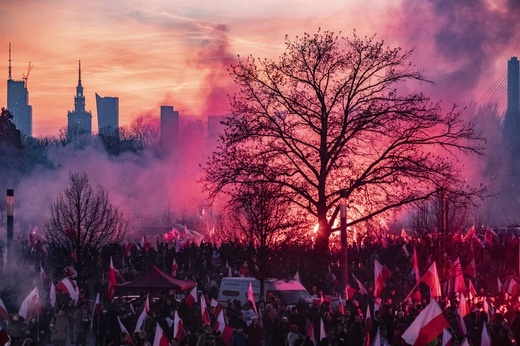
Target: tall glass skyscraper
(108, 115)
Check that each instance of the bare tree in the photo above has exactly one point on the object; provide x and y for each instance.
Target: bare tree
(267, 221)
(329, 116)
(83, 222)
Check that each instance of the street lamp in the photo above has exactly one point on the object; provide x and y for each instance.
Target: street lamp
(10, 220)
(343, 231)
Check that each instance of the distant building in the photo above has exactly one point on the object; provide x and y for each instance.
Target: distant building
(79, 120)
(108, 115)
(18, 102)
(169, 128)
(511, 130)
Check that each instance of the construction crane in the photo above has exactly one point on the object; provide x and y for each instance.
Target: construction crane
(25, 76)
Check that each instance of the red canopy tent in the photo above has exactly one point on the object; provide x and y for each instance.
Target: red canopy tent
(155, 280)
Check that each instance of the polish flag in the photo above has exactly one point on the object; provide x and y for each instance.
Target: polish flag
(296, 276)
(52, 295)
(381, 273)
(489, 235)
(69, 287)
(128, 337)
(463, 311)
(415, 269)
(349, 292)
(178, 327)
(465, 342)
(500, 286)
(160, 338)
(485, 340)
(460, 285)
(4, 337)
(406, 251)
(431, 278)
(341, 307)
(43, 274)
(471, 269)
(31, 305)
(3, 311)
(204, 312)
(472, 290)
(311, 334)
(142, 316)
(427, 326)
(111, 280)
(191, 297)
(377, 338)
(446, 337)
(175, 267)
(512, 288)
(251, 297)
(368, 321)
(322, 330)
(362, 288)
(96, 311)
(226, 332)
(216, 305)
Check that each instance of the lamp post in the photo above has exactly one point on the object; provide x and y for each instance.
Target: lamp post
(10, 221)
(343, 230)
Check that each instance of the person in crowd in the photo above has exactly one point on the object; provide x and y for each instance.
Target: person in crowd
(59, 328)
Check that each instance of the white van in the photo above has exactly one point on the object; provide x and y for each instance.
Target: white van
(289, 292)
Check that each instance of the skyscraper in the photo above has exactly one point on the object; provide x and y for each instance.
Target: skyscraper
(169, 127)
(79, 120)
(18, 102)
(108, 115)
(511, 130)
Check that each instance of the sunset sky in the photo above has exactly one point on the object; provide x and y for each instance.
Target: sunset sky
(176, 52)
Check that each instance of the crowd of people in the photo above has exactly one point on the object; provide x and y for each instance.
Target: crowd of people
(331, 318)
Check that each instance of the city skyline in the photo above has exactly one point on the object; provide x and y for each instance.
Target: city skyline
(177, 54)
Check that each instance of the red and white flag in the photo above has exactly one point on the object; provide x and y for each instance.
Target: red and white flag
(322, 330)
(31, 305)
(216, 305)
(431, 278)
(96, 311)
(175, 268)
(513, 287)
(500, 286)
(178, 327)
(69, 287)
(405, 250)
(362, 288)
(349, 292)
(128, 337)
(4, 337)
(381, 273)
(204, 312)
(460, 285)
(43, 274)
(471, 269)
(160, 338)
(489, 235)
(427, 326)
(377, 338)
(368, 321)
(472, 290)
(142, 316)
(446, 337)
(463, 311)
(226, 332)
(415, 268)
(111, 280)
(485, 340)
(311, 334)
(251, 297)
(52, 295)
(3, 311)
(191, 298)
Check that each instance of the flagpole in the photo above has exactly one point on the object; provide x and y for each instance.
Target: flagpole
(409, 294)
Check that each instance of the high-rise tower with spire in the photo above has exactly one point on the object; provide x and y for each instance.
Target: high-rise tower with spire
(79, 120)
(18, 102)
